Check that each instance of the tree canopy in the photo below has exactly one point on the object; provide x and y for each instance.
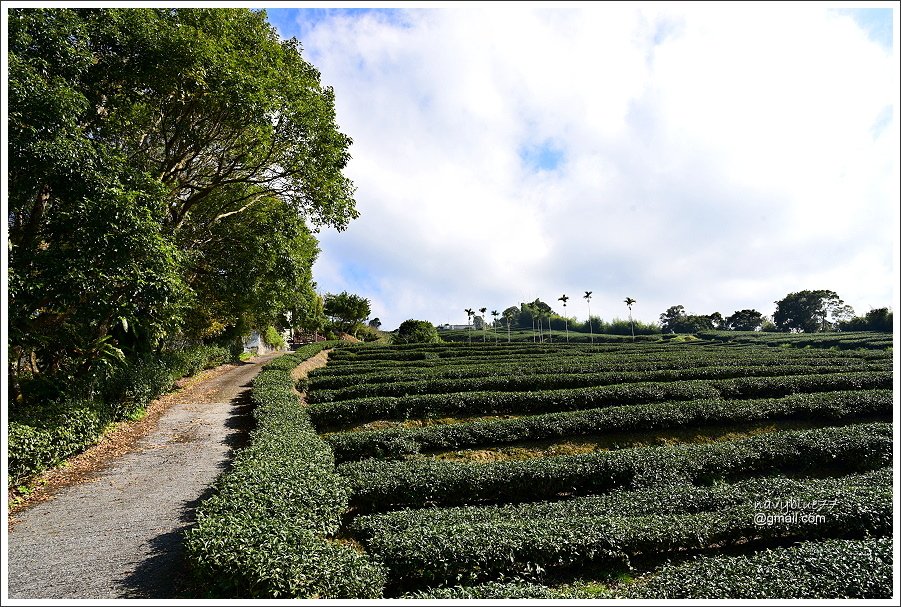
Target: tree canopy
(676, 320)
(416, 332)
(346, 309)
(167, 169)
(810, 311)
(877, 319)
(744, 320)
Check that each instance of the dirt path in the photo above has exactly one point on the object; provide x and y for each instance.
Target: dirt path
(114, 529)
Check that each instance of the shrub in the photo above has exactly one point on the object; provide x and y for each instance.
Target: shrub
(265, 531)
(416, 332)
(476, 544)
(274, 339)
(397, 442)
(491, 590)
(543, 381)
(379, 485)
(834, 569)
(340, 413)
(42, 435)
(52, 433)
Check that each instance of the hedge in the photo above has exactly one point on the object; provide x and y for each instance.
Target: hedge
(327, 379)
(265, 532)
(382, 484)
(674, 498)
(486, 544)
(491, 590)
(545, 381)
(828, 407)
(334, 415)
(829, 569)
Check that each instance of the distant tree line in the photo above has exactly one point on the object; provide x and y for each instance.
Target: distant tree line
(804, 311)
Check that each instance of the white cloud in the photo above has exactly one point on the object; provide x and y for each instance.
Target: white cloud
(715, 158)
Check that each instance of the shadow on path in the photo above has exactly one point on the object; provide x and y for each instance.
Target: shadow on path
(165, 574)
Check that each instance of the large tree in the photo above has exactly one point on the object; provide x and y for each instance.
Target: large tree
(416, 332)
(676, 320)
(744, 320)
(347, 310)
(164, 165)
(809, 311)
(308, 312)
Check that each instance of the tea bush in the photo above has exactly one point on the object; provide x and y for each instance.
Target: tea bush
(266, 531)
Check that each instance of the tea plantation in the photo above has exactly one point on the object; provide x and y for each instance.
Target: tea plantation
(715, 468)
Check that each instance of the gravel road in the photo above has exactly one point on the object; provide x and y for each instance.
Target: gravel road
(118, 534)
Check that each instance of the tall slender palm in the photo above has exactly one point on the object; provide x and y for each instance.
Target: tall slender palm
(495, 313)
(532, 316)
(539, 316)
(469, 313)
(629, 301)
(484, 324)
(509, 318)
(587, 297)
(565, 299)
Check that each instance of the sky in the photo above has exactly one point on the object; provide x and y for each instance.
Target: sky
(715, 157)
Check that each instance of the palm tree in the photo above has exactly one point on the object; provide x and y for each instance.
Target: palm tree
(629, 301)
(495, 313)
(509, 318)
(469, 314)
(565, 299)
(484, 324)
(590, 328)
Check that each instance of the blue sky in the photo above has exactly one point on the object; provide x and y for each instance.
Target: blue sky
(717, 157)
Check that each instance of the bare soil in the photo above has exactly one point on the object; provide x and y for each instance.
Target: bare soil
(304, 368)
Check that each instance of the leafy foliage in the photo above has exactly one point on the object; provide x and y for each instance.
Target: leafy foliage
(810, 311)
(465, 529)
(877, 319)
(397, 442)
(42, 435)
(744, 320)
(346, 309)
(478, 544)
(547, 381)
(164, 165)
(416, 332)
(381, 484)
(675, 320)
(273, 338)
(491, 590)
(265, 532)
(344, 373)
(339, 413)
(832, 569)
